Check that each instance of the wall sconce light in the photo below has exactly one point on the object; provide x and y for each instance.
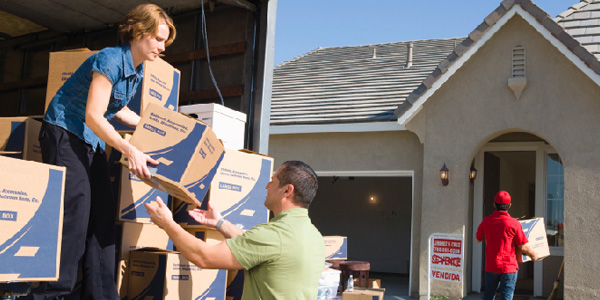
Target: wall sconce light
(444, 174)
(372, 199)
(472, 173)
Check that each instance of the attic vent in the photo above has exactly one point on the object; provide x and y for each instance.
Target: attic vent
(518, 61)
(518, 82)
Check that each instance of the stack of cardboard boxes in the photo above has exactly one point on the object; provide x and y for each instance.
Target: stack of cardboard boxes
(196, 168)
(201, 159)
(31, 205)
(336, 253)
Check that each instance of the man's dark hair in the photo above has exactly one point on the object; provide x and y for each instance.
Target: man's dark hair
(303, 178)
(503, 207)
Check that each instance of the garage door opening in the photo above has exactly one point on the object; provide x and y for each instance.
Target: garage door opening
(373, 212)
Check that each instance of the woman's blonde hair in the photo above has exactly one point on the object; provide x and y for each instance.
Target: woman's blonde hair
(144, 19)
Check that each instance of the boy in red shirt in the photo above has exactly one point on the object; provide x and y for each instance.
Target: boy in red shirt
(504, 238)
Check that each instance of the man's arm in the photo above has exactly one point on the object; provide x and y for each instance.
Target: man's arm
(217, 256)
(480, 236)
(528, 251)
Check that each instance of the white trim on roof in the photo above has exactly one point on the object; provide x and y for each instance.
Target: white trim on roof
(516, 9)
(331, 128)
(363, 173)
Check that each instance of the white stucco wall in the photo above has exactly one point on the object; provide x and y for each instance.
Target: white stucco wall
(560, 105)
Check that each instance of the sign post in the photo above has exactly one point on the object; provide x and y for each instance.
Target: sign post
(445, 258)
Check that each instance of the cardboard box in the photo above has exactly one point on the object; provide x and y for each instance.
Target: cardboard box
(31, 216)
(364, 294)
(535, 231)
(136, 236)
(19, 138)
(336, 247)
(237, 191)
(61, 66)
(159, 86)
(188, 152)
(228, 124)
(373, 283)
(168, 275)
(143, 235)
(133, 194)
(211, 237)
(140, 235)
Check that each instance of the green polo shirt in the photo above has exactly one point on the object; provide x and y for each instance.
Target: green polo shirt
(283, 259)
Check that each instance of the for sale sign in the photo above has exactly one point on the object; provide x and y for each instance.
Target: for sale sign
(447, 253)
(446, 258)
(446, 275)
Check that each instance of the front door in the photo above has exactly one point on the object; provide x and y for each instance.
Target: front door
(532, 174)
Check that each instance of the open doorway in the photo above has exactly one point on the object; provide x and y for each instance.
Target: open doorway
(531, 171)
(514, 172)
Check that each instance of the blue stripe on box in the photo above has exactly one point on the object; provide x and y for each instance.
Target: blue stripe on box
(200, 187)
(155, 289)
(236, 287)
(341, 252)
(254, 200)
(138, 210)
(173, 99)
(179, 154)
(16, 139)
(216, 290)
(527, 228)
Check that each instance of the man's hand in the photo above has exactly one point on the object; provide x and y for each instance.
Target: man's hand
(527, 251)
(208, 217)
(533, 256)
(159, 213)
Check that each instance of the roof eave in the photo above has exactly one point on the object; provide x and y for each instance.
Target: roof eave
(336, 128)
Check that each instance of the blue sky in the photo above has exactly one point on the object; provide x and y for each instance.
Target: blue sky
(305, 25)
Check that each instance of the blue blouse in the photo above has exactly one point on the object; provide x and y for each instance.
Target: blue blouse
(67, 108)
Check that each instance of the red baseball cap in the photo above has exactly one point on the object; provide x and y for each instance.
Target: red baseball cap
(502, 197)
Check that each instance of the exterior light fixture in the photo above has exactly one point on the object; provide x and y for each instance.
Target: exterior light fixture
(472, 173)
(444, 175)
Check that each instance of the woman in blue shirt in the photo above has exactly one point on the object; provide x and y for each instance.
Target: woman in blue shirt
(74, 132)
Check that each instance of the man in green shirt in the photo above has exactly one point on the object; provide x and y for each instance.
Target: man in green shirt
(282, 259)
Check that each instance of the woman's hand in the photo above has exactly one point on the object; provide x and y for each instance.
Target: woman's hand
(138, 163)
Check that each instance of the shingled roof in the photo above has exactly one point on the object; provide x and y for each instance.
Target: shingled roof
(408, 108)
(582, 21)
(371, 83)
(353, 84)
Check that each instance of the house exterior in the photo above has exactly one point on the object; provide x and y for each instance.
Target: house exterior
(517, 100)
